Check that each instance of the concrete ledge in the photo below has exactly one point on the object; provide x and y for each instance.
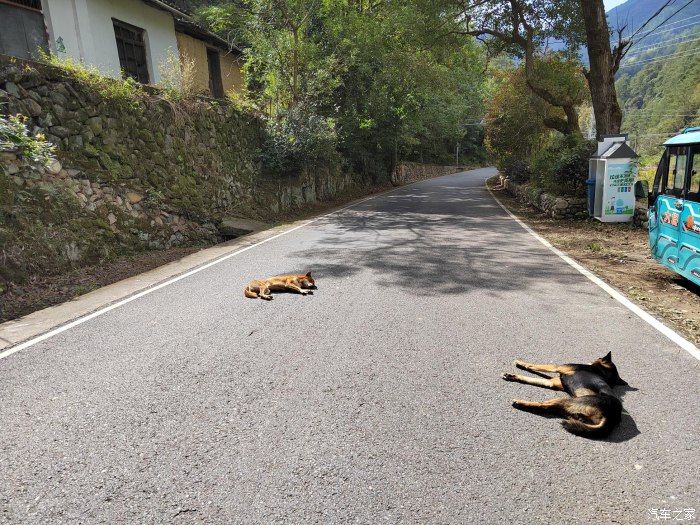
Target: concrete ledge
(19, 330)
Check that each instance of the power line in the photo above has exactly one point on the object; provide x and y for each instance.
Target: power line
(682, 20)
(652, 48)
(655, 59)
(662, 23)
(682, 39)
(677, 21)
(671, 24)
(692, 24)
(657, 13)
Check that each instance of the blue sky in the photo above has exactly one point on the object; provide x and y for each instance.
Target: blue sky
(609, 4)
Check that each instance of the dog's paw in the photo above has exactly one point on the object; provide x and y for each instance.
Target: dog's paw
(520, 364)
(518, 403)
(508, 377)
(309, 292)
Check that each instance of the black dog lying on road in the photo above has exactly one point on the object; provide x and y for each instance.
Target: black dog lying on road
(592, 411)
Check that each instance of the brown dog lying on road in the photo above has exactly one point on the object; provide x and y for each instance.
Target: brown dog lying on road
(262, 288)
(592, 411)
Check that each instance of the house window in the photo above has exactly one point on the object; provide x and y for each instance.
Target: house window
(30, 4)
(132, 51)
(216, 86)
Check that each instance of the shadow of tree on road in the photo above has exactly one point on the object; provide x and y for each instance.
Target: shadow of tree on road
(447, 240)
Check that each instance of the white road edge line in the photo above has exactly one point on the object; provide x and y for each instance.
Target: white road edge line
(122, 302)
(650, 319)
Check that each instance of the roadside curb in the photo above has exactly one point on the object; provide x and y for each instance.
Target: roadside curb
(18, 334)
(611, 291)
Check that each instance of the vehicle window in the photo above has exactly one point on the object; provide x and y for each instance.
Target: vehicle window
(675, 178)
(694, 185)
(659, 177)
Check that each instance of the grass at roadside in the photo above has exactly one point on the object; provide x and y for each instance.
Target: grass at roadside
(619, 254)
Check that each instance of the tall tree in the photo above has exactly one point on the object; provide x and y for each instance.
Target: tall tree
(521, 27)
(604, 63)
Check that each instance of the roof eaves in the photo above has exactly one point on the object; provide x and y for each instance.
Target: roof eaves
(185, 23)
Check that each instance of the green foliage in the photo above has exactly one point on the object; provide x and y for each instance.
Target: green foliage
(562, 167)
(126, 92)
(517, 134)
(514, 123)
(298, 138)
(562, 77)
(660, 99)
(373, 73)
(15, 136)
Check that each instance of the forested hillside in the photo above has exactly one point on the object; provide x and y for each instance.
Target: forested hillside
(661, 98)
(659, 79)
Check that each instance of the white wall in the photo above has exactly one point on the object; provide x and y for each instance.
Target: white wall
(86, 29)
(60, 21)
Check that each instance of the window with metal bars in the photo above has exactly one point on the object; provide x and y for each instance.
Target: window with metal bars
(22, 30)
(30, 4)
(132, 51)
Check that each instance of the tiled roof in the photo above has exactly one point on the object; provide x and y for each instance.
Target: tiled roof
(188, 25)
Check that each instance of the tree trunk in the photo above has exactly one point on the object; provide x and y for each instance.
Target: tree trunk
(295, 66)
(601, 76)
(566, 126)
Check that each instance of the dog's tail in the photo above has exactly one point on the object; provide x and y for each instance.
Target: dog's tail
(581, 428)
(250, 294)
(603, 408)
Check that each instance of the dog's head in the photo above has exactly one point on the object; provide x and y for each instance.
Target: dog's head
(608, 370)
(307, 281)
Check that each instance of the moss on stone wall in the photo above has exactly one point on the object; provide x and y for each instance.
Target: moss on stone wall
(135, 173)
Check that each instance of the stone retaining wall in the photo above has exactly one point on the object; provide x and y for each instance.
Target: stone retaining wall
(641, 215)
(136, 171)
(564, 207)
(555, 206)
(408, 172)
(133, 172)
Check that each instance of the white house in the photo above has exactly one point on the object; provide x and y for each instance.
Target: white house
(135, 38)
(114, 35)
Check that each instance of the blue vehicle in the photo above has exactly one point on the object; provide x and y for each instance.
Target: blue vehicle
(674, 206)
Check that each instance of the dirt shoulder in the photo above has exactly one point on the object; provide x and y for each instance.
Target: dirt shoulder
(619, 254)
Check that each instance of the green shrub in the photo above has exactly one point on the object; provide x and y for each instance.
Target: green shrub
(562, 168)
(516, 169)
(15, 137)
(298, 138)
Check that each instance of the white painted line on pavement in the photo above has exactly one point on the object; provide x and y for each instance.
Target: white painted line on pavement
(97, 313)
(653, 321)
(122, 302)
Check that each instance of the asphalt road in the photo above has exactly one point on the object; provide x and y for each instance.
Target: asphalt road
(376, 400)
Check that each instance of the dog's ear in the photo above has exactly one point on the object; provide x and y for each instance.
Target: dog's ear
(308, 274)
(608, 357)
